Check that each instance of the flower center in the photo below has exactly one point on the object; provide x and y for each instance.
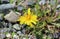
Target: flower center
(28, 17)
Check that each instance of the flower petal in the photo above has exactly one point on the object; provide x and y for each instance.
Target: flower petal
(29, 12)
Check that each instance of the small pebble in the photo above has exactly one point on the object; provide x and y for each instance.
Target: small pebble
(16, 26)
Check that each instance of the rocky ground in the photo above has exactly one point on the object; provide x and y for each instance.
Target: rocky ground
(9, 28)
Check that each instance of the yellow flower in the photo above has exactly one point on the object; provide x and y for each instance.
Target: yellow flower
(28, 18)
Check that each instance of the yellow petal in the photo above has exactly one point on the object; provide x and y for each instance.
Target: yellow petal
(27, 22)
(21, 22)
(33, 22)
(29, 12)
(31, 25)
(34, 17)
(18, 19)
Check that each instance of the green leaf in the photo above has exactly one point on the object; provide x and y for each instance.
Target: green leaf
(39, 36)
(13, 33)
(44, 23)
(49, 19)
(11, 1)
(56, 24)
(48, 37)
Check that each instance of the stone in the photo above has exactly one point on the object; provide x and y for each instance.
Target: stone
(30, 2)
(27, 2)
(8, 29)
(6, 6)
(3, 30)
(19, 33)
(52, 2)
(55, 35)
(1, 25)
(15, 37)
(42, 2)
(5, 24)
(5, 0)
(13, 30)
(20, 8)
(2, 36)
(58, 6)
(58, 1)
(24, 31)
(24, 38)
(12, 16)
(16, 26)
(59, 34)
(32, 37)
(8, 35)
(10, 25)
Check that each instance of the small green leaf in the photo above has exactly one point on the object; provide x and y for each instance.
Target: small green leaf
(13, 33)
(11, 1)
(48, 37)
(56, 24)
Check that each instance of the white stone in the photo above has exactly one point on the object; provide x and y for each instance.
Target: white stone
(58, 6)
(8, 35)
(42, 2)
(24, 38)
(12, 16)
(16, 36)
(16, 26)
